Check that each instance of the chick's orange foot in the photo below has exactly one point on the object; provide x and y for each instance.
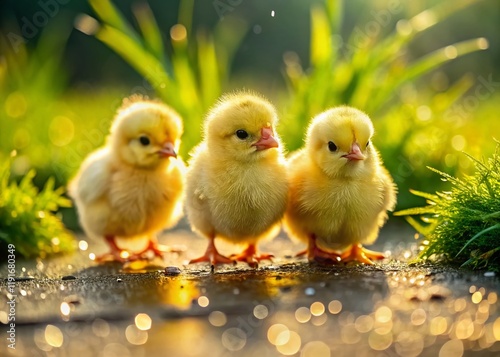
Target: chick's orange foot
(159, 250)
(250, 256)
(115, 254)
(315, 253)
(362, 255)
(212, 255)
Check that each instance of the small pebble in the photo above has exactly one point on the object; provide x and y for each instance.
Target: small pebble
(489, 274)
(310, 291)
(68, 277)
(119, 280)
(236, 291)
(172, 271)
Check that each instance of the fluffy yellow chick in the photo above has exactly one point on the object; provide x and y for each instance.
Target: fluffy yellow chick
(236, 186)
(339, 189)
(133, 186)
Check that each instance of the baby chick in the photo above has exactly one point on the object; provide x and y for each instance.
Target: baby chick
(132, 187)
(236, 186)
(339, 190)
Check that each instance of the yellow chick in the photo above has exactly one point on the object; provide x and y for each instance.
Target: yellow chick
(339, 189)
(133, 186)
(236, 186)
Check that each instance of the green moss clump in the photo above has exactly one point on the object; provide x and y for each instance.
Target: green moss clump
(462, 226)
(27, 218)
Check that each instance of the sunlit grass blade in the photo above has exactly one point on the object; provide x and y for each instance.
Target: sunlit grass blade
(321, 39)
(150, 31)
(227, 36)
(209, 74)
(422, 229)
(334, 10)
(109, 14)
(388, 48)
(185, 16)
(146, 64)
(424, 65)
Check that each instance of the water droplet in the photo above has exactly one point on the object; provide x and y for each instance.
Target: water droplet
(260, 312)
(217, 318)
(203, 301)
(234, 339)
(143, 321)
(136, 336)
(310, 291)
(53, 336)
(83, 245)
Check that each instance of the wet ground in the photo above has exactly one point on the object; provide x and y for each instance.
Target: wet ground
(70, 306)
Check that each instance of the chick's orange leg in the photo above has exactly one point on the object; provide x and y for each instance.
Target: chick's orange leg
(158, 249)
(250, 256)
(357, 253)
(314, 252)
(116, 254)
(212, 255)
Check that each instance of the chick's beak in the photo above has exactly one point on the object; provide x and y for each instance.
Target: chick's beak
(355, 153)
(167, 150)
(266, 140)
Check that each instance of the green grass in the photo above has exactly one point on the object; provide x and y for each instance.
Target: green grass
(28, 216)
(461, 226)
(192, 77)
(413, 128)
(54, 128)
(377, 77)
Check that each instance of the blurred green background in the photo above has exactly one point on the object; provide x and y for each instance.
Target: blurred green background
(427, 72)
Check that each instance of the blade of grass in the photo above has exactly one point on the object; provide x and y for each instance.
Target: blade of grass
(321, 39)
(186, 14)
(489, 229)
(150, 31)
(144, 63)
(110, 15)
(209, 74)
(424, 65)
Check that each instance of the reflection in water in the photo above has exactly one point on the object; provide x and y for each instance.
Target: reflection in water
(180, 293)
(294, 310)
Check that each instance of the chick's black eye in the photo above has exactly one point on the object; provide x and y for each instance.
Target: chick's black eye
(144, 140)
(331, 146)
(368, 143)
(241, 134)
